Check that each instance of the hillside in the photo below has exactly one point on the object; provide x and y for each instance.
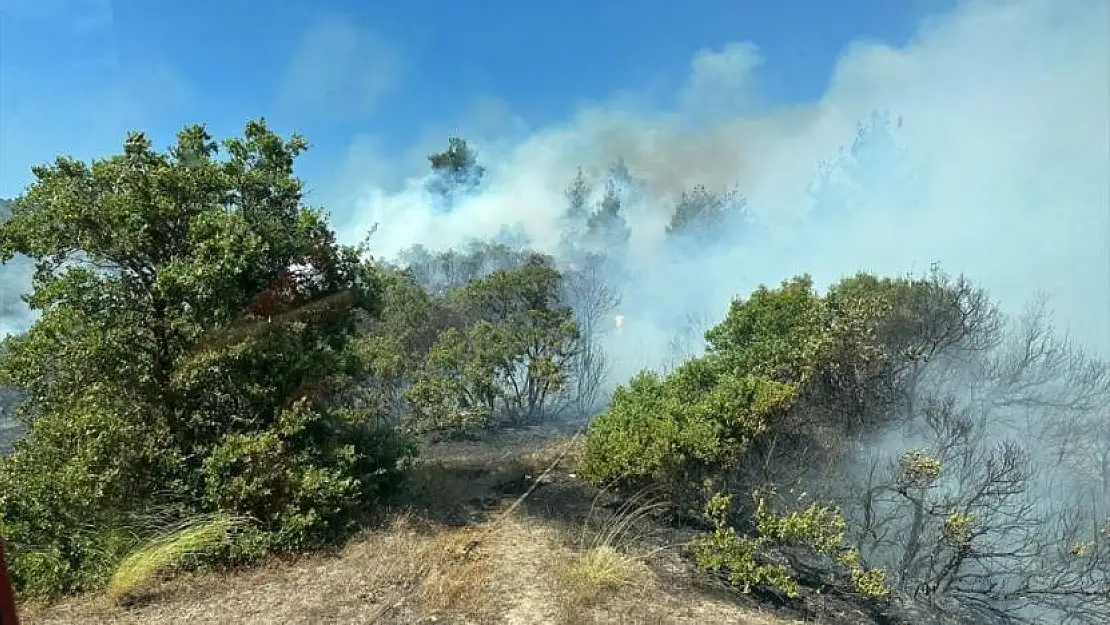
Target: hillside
(472, 544)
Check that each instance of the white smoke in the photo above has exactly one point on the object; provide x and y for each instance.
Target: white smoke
(996, 164)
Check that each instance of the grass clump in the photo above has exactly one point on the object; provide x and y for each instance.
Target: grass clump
(599, 569)
(605, 559)
(166, 551)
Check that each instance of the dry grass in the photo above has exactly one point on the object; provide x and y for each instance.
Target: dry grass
(606, 561)
(509, 567)
(460, 580)
(517, 575)
(602, 569)
(349, 587)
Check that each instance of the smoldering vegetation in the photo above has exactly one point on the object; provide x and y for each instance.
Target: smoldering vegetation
(966, 448)
(971, 465)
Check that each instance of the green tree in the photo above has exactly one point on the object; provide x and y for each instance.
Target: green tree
(456, 170)
(701, 214)
(505, 355)
(471, 337)
(606, 228)
(457, 390)
(578, 195)
(395, 346)
(194, 317)
(521, 312)
(575, 215)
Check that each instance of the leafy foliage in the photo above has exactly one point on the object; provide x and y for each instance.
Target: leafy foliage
(683, 429)
(953, 521)
(701, 215)
(456, 170)
(745, 559)
(769, 354)
(496, 349)
(194, 318)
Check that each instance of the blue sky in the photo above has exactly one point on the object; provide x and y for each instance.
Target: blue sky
(75, 75)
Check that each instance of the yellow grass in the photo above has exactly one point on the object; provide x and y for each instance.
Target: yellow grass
(599, 569)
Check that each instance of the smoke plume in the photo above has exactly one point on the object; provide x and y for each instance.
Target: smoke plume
(982, 144)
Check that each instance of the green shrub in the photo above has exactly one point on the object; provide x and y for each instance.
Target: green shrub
(744, 559)
(698, 422)
(67, 505)
(725, 551)
(494, 350)
(676, 432)
(307, 480)
(787, 372)
(789, 377)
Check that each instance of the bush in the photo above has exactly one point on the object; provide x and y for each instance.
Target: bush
(308, 480)
(788, 381)
(67, 511)
(700, 421)
(495, 350)
(745, 559)
(678, 431)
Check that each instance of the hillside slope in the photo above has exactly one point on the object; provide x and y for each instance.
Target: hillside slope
(495, 531)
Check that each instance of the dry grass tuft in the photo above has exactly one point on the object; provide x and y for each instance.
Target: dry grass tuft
(589, 576)
(624, 528)
(605, 560)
